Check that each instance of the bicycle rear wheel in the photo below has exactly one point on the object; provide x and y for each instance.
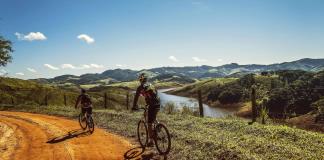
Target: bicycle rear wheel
(90, 124)
(142, 133)
(162, 139)
(82, 121)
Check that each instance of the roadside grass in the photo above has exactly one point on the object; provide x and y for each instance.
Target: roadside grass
(67, 111)
(208, 138)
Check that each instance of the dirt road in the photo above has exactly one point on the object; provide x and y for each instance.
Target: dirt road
(37, 137)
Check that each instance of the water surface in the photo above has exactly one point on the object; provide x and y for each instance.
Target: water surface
(180, 101)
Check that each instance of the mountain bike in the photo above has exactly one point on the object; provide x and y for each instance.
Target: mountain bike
(86, 122)
(161, 135)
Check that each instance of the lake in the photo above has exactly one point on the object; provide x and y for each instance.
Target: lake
(180, 101)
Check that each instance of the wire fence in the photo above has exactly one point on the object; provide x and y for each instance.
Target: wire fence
(32, 97)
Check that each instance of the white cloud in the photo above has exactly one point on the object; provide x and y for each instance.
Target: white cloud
(121, 65)
(70, 66)
(89, 66)
(173, 58)
(51, 67)
(86, 38)
(219, 60)
(32, 36)
(85, 66)
(3, 72)
(20, 74)
(196, 59)
(31, 70)
(96, 66)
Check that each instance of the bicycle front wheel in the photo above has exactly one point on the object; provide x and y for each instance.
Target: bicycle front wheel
(82, 121)
(162, 139)
(142, 133)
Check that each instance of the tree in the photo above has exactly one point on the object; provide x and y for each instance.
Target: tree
(279, 100)
(247, 81)
(213, 95)
(303, 95)
(288, 76)
(230, 95)
(265, 73)
(5, 51)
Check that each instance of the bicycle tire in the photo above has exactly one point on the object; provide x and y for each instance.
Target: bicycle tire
(158, 140)
(91, 125)
(140, 133)
(80, 122)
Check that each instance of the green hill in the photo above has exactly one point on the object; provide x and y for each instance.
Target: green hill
(26, 92)
(17, 91)
(187, 73)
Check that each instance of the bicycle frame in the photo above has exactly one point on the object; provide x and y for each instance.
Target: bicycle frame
(145, 116)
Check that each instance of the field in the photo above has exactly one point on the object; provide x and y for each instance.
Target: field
(225, 138)
(205, 86)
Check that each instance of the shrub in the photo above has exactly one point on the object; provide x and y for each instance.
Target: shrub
(190, 111)
(247, 81)
(318, 106)
(230, 95)
(214, 94)
(264, 114)
(169, 108)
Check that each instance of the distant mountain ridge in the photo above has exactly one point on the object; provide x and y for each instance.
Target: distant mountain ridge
(187, 74)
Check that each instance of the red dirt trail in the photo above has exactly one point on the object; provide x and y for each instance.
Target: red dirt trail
(41, 137)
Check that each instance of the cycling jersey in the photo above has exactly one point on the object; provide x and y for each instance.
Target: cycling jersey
(150, 94)
(85, 100)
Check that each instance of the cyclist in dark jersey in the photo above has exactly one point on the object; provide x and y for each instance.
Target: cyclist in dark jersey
(86, 103)
(152, 100)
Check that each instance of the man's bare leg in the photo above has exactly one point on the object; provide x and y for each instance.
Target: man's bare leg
(150, 134)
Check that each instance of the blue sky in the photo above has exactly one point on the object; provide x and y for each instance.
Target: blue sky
(58, 37)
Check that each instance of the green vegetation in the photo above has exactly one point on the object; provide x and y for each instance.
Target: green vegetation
(204, 85)
(26, 92)
(169, 108)
(201, 138)
(284, 92)
(184, 75)
(5, 51)
(131, 84)
(16, 91)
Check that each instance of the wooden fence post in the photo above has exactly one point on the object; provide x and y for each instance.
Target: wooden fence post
(201, 109)
(127, 100)
(65, 100)
(253, 101)
(46, 100)
(105, 100)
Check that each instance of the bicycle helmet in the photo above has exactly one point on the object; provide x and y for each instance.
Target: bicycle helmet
(142, 77)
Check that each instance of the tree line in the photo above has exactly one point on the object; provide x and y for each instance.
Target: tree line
(280, 92)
